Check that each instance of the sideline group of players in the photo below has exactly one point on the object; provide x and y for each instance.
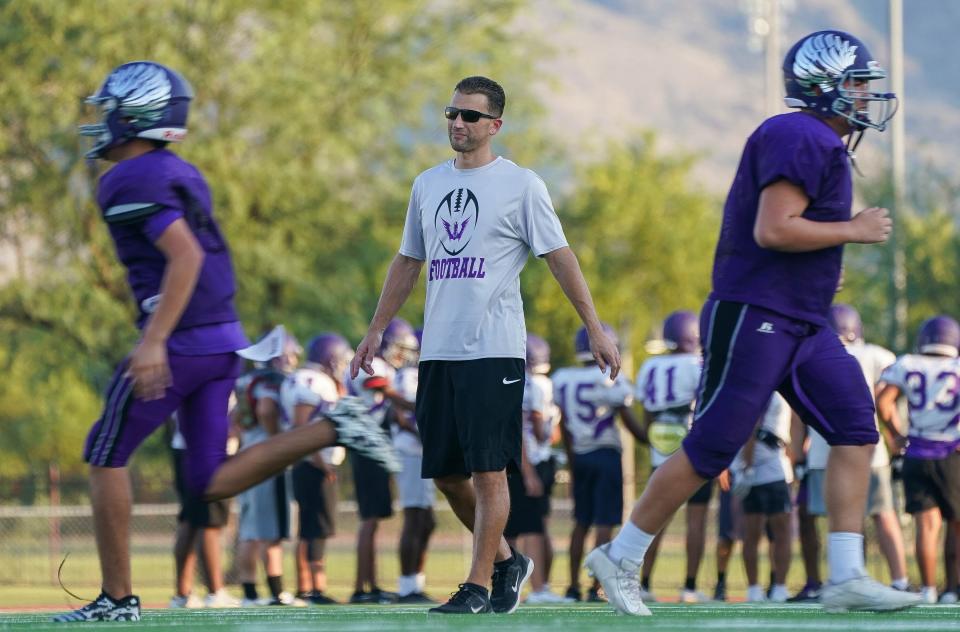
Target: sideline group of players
(579, 408)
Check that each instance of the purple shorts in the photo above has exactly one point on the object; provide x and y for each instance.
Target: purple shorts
(199, 395)
(750, 352)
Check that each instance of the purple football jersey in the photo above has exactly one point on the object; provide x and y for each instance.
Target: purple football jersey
(804, 150)
(139, 199)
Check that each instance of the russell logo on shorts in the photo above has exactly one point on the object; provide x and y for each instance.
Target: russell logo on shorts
(455, 222)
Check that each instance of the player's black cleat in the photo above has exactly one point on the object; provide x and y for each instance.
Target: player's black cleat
(104, 608)
(810, 593)
(416, 598)
(469, 599)
(720, 591)
(509, 578)
(594, 596)
(318, 598)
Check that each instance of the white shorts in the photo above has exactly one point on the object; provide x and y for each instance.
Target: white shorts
(414, 492)
(265, 510)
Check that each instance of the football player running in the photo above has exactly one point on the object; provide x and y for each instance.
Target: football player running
(158, 209)
(589, 405)
(666, 388)
(930, 380)
(776, 269)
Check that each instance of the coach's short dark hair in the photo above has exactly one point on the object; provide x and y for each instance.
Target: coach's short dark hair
(487, 87)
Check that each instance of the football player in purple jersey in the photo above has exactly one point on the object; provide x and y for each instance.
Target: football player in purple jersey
(776, 269)
(158, 209)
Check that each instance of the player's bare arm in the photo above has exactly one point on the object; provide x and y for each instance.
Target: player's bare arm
(148, 362)
(401, 278)
(633, 425)
(780, 224)
(566, 270)
(890, 417)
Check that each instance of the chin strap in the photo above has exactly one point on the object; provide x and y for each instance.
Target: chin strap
(853, 141)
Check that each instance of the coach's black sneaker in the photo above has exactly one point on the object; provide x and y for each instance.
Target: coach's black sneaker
(384, 597)
(573, 594)
(509, 578)
(810, 593)
(469, 599)
(104, 608)
(318, 598)
(415, 598)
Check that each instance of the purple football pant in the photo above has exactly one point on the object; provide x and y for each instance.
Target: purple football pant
(750, 352)
(199, 395)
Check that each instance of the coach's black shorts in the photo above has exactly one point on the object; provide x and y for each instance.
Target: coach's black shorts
(469, 415)
(194, 510)
(317, 499)
(930, 483)
(768, 499)
(372, 485)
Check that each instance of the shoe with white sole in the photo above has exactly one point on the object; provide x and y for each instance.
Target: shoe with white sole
(544, 596)
(865, 593)
(756, 594)
(620, 581)
(104, 608)
(693, 596)
(186, 601)
(221, 599)
(948, 597)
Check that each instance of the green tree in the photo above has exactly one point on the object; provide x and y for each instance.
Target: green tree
(645, 241)
(310, 121)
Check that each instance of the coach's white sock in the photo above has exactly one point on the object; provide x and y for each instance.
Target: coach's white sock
(406, 584)
(845, 556)
(630, 544)
(421, 582)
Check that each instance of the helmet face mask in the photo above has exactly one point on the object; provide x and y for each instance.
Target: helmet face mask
(538, 355)
(827, 72)
(140, 99)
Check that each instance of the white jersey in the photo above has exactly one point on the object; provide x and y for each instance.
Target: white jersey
(588, 400)
(534, 401)
(931, 385)
(666, 387)
(475, 228)
(541, 451)
(373, 398)
(405, 383)
(771, 464)
(312, 387)
(873, 360)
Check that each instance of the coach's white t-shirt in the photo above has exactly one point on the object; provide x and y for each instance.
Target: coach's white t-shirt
(475, 228)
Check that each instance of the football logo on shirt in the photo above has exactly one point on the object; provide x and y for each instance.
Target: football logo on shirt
(456, 220)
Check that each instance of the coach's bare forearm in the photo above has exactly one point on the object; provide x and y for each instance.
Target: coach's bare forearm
(566, 270)
(401, 278)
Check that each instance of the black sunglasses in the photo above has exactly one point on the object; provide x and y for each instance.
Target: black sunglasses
(468, 116)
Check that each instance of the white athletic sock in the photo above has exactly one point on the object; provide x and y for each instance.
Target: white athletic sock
(901, 583)
(845, 556)
(421, 581)
(406, 584)
(631, 544)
